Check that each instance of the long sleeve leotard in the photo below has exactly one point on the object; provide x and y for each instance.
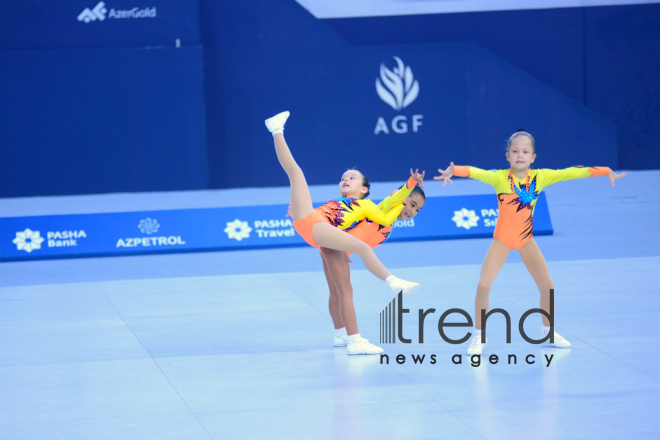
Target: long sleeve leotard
(374, 233)
(517, 197)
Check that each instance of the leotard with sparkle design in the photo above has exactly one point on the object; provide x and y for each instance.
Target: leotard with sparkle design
(374, 233)
(517, 197)
(346, 213)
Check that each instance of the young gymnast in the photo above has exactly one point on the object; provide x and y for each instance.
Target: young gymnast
(338, 274)
(407, 201)
(517, 191)
(326, 226)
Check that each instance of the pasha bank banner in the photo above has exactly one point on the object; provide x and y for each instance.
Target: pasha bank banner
(126, 233)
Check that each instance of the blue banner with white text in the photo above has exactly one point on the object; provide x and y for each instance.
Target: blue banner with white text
(126, 233)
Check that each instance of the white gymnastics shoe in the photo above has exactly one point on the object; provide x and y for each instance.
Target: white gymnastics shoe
(476, 346)
(362, 346)
(340, 340)
(397, 285)
(560, 342)
(276, 123)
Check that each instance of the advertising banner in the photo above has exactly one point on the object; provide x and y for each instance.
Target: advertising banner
(96, 24)
(126, 233)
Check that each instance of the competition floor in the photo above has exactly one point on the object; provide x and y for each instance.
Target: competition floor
(237, 345)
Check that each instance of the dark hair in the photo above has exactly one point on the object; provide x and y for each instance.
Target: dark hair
(365, 182)
(518, 133)
(418, 191)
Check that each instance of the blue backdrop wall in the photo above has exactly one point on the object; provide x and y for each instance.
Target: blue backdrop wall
(606, 58)
(103, 96)
(104, 105)
(269, 56)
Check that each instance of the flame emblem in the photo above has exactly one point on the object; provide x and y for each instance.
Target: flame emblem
(400, 87)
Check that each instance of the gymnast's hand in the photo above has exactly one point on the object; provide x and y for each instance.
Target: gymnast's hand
(614, 176)
(446, 174)
(288, 212)
(419, 178)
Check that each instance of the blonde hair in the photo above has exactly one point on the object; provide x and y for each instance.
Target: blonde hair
(518, 134)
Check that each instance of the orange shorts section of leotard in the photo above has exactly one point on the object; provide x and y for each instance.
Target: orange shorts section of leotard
(304, 226)
(514, 228)
(371, 233)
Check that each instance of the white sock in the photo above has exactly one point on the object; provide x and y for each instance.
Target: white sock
(477, 333)
(278, 131)
(545, 330)
(341, 332)
(354, 338)
(390, 278)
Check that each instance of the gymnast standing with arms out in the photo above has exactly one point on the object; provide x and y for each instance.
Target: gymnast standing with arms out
(517, 190)
(325, 226)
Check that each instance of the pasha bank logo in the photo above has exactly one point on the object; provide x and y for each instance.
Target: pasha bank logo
(398, 88)
(28, 240)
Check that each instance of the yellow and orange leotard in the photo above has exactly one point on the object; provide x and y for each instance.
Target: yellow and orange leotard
(346, 213)
(517, 197)
(375, 234)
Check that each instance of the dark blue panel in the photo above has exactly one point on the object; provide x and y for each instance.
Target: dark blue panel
(47, 24)
(546, 43)
(92, 121)
(623, 78)
(267, 57)
(503, 100)
(605, 57)
(251, 51)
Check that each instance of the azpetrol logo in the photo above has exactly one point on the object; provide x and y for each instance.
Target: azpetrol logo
(398, 88)
(149, 226)
(391, 329)
(99, 11)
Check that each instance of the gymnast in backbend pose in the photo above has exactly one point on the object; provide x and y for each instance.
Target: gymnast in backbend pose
(325, 226)
(407, 202)
(517, 191)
